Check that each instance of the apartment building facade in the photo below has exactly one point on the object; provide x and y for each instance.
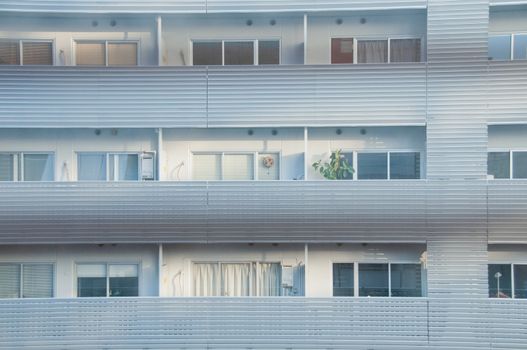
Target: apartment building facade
(158, 187)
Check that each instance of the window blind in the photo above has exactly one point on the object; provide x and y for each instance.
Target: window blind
(122, 54)
(9, 52)
(37, 53)
(90, 54)
(206, 167)
(238, 167)
(9, 280)
(37, 281)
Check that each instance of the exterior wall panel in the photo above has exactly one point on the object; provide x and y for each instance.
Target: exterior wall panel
(507, 91)
(507, 207)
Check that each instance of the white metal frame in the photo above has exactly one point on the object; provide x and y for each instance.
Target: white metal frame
(107, 265)
(115, 164)
(356, 286)
(223, 41)
(255, 155)
(106, 43)
(388, 156)
(511, 152)
(512, 37)
(21, 283)
(356, 39)
(21, 47)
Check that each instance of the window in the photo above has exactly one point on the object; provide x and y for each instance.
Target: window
(372, 166)
(237, 279)
(500, 281)
(377, 279)
(26, 167)
(507, 164)
(26, 280)
(352, 50)
(106, 53)
(108, 166)
(387, 165)
(235, 52)
(235, 166)
(107, 280)
(508, 47)
(25, 52)
(343, 280)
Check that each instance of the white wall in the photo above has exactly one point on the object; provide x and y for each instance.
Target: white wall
(325, 140)
(322, 257)
(64, 30)
(508, 137)
(66, 257)
(508, 19)
(65, 143)
(178, 31)
(379, 24)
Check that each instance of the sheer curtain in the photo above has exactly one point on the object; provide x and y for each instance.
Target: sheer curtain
(206, 280)
(372, 51)
(236, 279)
(92, 167)
(269, 279)
(405, 50)
(38, 167)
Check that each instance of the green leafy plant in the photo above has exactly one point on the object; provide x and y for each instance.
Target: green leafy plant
(338, 167)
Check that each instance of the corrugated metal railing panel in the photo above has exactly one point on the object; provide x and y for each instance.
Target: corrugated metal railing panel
(507, 211)
(507, 92)
(317, 95)
(105, 6)
(376, 211)
(507, 2)
(69, 97)
(214, 323)
(508, 324)
(289, 211)
(202, 6)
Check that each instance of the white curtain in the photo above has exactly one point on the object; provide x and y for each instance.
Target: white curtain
(238, 167)
(405, 50)
(269, 279)
(38, 167)
(206, 167)
(206, 278)
(236, 280)
(372, 51)
(128, 167)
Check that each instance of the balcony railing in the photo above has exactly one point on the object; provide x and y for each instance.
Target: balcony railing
(66, 97)
(262, 323)
(284, 211)
(203, 6)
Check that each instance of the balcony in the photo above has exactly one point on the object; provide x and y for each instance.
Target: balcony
(276, 96)
(241, 323)
(203, 6)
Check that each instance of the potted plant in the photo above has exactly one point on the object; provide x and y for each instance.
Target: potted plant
(338, 167)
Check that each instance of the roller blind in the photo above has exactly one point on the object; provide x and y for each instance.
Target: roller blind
(9, 52)
(37, 281)
(37, 53)
(9, 280)
(90, 54)
(122, 54)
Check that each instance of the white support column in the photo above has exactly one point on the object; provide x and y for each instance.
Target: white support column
(305, 38)
(306, 158)
(159, 39)
(160, 269)
(160, 155)
(306, 270)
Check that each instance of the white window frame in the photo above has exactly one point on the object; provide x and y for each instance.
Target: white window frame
(106, 43)
(223, 41)
(512, 265)
(511, 151)
(366, 38)
(115, 165)
(21, 47)
(356, 286)
(18, 164)
(356, 163)
(107, 265)
(512, 37)
(255, 155)
(254, 286)
(21, 286)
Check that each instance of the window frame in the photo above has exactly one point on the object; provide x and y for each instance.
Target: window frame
(513, 282)
(106, 43)
(355, 164)
(511, 152)
(255, 155)
(18, 164)
(107, 265)
(21, 48)
(223, 41)
(356, 39)
(512, 37)
(356, 286)
(254, 286)
(21, 284)
(115, 161)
